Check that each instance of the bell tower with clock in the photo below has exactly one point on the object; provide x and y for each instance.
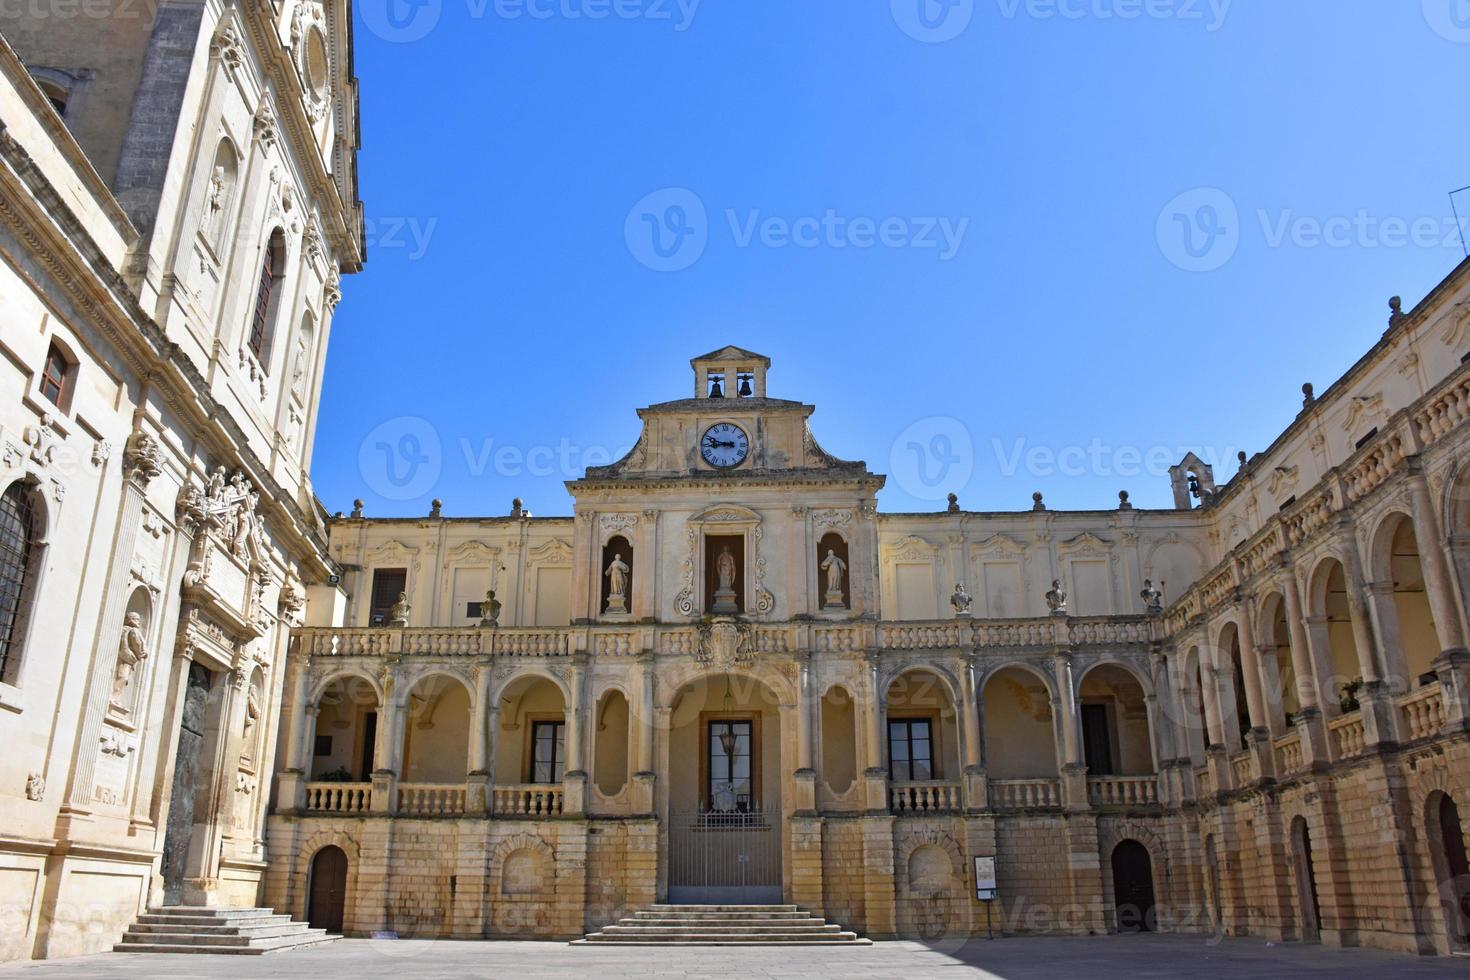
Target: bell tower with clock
(726, 507)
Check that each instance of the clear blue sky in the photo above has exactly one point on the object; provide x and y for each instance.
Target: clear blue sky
(509, 300)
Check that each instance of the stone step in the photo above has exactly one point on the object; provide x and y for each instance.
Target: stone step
(662, 930)
(204, 912)
(724, 916)
(219, 939)
(206, 922)
(265, 929)
(736, 923)
(724, 908)
(257, 948)
(724, 939)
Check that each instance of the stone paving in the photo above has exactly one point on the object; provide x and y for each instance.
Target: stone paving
(1101, 958)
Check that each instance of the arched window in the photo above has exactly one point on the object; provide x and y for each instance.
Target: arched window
(19, 523)
(272, 272)
(56, 374)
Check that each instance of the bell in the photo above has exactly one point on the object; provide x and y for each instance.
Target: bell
(745, 389)
(716, 390)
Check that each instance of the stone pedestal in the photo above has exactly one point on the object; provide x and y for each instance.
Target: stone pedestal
(642, 795)
(385, 792)
(1314, 738)
(1379, 714)
(725, 604)
(1074, 788)
(1263, 754)
(875, 790)
(291, 790)
(833, 600)
(574, 794)
(1453, 670)
(1222, 774)
(477, 794)
(804, 792)
(977, 790)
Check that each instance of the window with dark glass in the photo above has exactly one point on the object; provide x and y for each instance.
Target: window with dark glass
(53, 375)
(17, 541)
(548, 751)
(388, 584)
(272, 270)
(910, 749)
(730, 745)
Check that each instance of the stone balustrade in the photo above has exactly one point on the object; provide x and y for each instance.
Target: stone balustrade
(1113, 633)
(532, 801)
(431, 799)
(1025, 794)
(1241, 766)
(339, 797)
(1423, 712)
(1123, 790)
(1289, 757)
(1349, 738)
(929, 796)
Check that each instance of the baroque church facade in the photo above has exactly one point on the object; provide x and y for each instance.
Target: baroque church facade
(178, 205)
(726, 677)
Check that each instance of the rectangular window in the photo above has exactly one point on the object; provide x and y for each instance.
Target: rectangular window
(1097, 739)
(729, 758)
(53, 376)
(262, 304)
(388, 584)
(548, 751)
(910, 749)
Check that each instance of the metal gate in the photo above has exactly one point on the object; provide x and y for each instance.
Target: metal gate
(725, 857)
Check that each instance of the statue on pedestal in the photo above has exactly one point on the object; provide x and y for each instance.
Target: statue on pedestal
(399, 615)
(961, 600)
(1153, 599)
(834, 567)
(490, 610)
(1056, 598)
(617, 585)
(725, 572)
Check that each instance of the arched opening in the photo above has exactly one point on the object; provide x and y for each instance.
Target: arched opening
(839, 741)
(724, 801)
(1309, 912)
(610, 745)
(1234, 704)
(1331, 624)
(344, 745)
(923, 730)
(436, 732)
(617, 576)
(1278, 673)
(1020, 731)
(833, 572)
(1399, 564)
(1451, 866)
(1116, 739)
(219, 194)
(1133, 887)
(267, 296)
(327, 904)
(22, 532)
(531, 749)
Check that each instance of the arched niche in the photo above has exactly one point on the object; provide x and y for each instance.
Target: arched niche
(839, 740)
(610, 748)
(833, 568)
(616, 572)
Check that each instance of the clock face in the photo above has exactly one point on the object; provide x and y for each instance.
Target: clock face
(724, 445)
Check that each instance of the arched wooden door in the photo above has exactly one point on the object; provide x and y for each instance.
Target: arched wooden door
(1456, 891)
(1133, 887)
(328, 889)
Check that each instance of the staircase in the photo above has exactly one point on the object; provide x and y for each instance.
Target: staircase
(189, 929)
(722, 925)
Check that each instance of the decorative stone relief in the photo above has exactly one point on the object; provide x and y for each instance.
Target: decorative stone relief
(132, 650)
(35, 787)
(726, 644)
(265, 129)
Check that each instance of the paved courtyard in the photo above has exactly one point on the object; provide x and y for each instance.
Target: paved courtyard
(1100, 958)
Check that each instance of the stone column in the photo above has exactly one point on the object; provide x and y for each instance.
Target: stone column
(574, 781)
(480, 777)
(1074, 760)
(300, 726)
(875, 777)
(389, 751)
(1258, 739)
(804, 800)
(644, 778)
(1301, 655)
(142, 461)
(1437, 582)
(975, 789)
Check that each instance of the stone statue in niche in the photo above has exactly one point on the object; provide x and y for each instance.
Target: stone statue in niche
(725, 572)
(1153, 598)
(35, 787)
(131, 651)
(834, 567)
(961, 600)
(399, 614)
(617, 585)
(298, 367)
(1056, 598)
(490, 610)
(252, 715)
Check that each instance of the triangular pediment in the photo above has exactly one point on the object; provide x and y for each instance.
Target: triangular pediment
(732, 353)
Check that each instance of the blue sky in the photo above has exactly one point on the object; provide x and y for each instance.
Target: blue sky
(1004, 246)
